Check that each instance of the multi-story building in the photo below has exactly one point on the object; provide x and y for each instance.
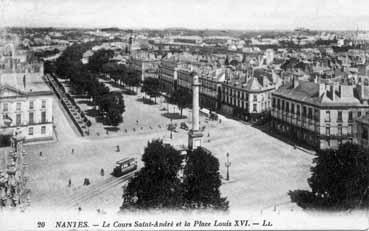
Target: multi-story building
(210, 90)
(145, 65)
(26, 103)
(318, 114)
(362, 134)
(25, 99)
(167, 75)
(185, 76)
(249, 97)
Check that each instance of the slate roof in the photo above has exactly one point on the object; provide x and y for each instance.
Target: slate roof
(308, 92)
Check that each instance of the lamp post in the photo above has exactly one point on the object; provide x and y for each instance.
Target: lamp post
(171, 128)
(227, 164)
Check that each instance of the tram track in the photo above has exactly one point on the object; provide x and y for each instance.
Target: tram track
(94, 190)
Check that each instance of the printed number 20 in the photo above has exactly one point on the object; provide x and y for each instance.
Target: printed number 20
(40, 224)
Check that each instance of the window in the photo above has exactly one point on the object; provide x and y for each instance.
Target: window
(339, 116)
(254, 107)
(30, 131)
(255, 98)
(5, 107)
(298, 110)
(350, 129)
(43, 130)
(350, 116)
(358, 113)
(43, 117)
(327, 131)
(31, 106)
(292, 108)
(18, 108)
(287, 107)
(18, 119)
(327, 116)
(339, 133)
(43, 104)
(310, 113)
(282, 105)
(31, 120)
(304, 111)
(273, 103)
(316, 115)
(279, 104)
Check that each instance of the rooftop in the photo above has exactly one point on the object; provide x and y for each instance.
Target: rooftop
(308, 92)
(24, 83)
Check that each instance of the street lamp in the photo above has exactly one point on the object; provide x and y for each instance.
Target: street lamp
(171, 128)
(227, 164)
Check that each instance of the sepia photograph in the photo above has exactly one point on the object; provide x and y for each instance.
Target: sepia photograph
(184, 115)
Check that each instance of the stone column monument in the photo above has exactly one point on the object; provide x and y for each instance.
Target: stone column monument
(195, 135)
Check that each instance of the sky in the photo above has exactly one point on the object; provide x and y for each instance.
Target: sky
(195, 14)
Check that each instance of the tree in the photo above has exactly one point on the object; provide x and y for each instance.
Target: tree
(181, 98)
(151, 87)
(49, 67)
(156, 185)
(202, 181)
(98, 59)
(132, 81)
(340, 179)
(113, 105)
(341, 176)
(116, 71)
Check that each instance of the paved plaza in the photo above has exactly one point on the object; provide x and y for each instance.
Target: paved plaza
(263, 169)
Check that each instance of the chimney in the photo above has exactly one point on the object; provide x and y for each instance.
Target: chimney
(321, 89)
(332, 92)
(295, 82)
(362, 92)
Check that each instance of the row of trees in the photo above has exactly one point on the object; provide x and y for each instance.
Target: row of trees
(181, 98)
(151, 87)
(163, 183)
(84, 79)
(121, 74)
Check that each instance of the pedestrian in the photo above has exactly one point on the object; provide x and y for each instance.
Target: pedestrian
(72, 150)
(86, 182)
(40, 154)
(137, 122)
(79, 209)
(69, 182)
(118, 149)
(102, 172)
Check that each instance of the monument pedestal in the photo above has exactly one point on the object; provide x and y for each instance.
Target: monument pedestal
(194, 139)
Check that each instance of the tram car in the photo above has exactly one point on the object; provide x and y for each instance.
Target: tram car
(124, 166)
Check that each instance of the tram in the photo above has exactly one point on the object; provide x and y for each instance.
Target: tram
(124, 166)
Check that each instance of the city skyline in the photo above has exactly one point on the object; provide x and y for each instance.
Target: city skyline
(203, 14)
